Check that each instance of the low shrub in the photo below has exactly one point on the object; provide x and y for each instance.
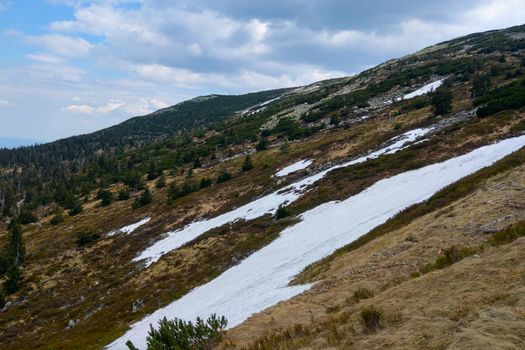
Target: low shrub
(57, 219)
(85, 237)
(371, 318)
(281, 213)
(178, 334)
(361, 293)
(508, 234)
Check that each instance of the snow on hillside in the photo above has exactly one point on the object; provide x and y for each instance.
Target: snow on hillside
(264, 205)
(422, 91)
(130, 228)
(262, 279)
(302, 164)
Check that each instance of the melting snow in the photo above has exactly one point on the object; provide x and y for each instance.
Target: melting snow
(422, 91)
(264, 205)
(269, 101)
(261, 280)
(130, 228)
(302, 164)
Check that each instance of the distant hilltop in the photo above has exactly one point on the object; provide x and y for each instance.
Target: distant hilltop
(13, 143)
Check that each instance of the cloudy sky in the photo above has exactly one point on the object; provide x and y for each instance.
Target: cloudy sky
(74, 66)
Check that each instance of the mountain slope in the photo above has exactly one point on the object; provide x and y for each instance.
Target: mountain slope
(84, 282)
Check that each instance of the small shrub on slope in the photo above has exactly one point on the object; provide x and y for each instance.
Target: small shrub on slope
(361, 293)
(371, 318)
(84, 237)
(177, 334)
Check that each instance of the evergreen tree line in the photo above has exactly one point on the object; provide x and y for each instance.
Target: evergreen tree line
(12, 258)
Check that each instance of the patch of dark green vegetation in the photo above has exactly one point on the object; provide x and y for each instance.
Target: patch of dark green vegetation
(12, 258)
(86, 236)
(178, 334)
(508, 96)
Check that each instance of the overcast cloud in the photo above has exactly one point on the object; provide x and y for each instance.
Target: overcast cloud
(74, 66)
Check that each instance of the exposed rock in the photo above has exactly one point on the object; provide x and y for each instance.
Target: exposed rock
(137, 304)
(72, 323)
(492, 227)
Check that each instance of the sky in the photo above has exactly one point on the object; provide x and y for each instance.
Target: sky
(74, 66)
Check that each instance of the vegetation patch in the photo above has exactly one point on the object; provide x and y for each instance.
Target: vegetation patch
(371, 318)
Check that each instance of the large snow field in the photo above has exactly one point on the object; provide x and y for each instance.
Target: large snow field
(262, 279)
(267, 204)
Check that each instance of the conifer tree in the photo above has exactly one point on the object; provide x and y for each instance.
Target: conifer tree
(248, 164)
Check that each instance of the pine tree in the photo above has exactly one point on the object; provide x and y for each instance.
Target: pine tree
(161, 182)
(12, 258)
(105, 196)
(247, 165)
(15, 250)
(442, 101)
(144, 199)
(262, 145)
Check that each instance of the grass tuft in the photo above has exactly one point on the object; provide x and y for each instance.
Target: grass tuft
(371, 318)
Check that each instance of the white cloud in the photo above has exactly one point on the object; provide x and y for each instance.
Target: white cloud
(45, 58)
(143, 106)
(4, 103)
(62, 44)
(110, 106)
(82, 109)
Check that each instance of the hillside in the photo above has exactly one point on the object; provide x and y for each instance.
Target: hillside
(379, 210)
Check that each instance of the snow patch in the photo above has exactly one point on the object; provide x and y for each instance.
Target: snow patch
(302, 164)
(265, 205)
(262, 279)
(130, 228)
(422, 91)
(269, 101)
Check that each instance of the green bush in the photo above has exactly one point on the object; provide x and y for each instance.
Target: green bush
(262, 145)
(57, 219)
(224, 176)
(85, 237)
(480, 85)
(506, 97)
(123, 194)
(205, 182)
(105, 196)
(75, 208)
(177, 334)
(281, 212)
(442, 101)
(144, 199)
(161, 182)
(27, 217)
(508, 234)
(247, 164)
(448, 257)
